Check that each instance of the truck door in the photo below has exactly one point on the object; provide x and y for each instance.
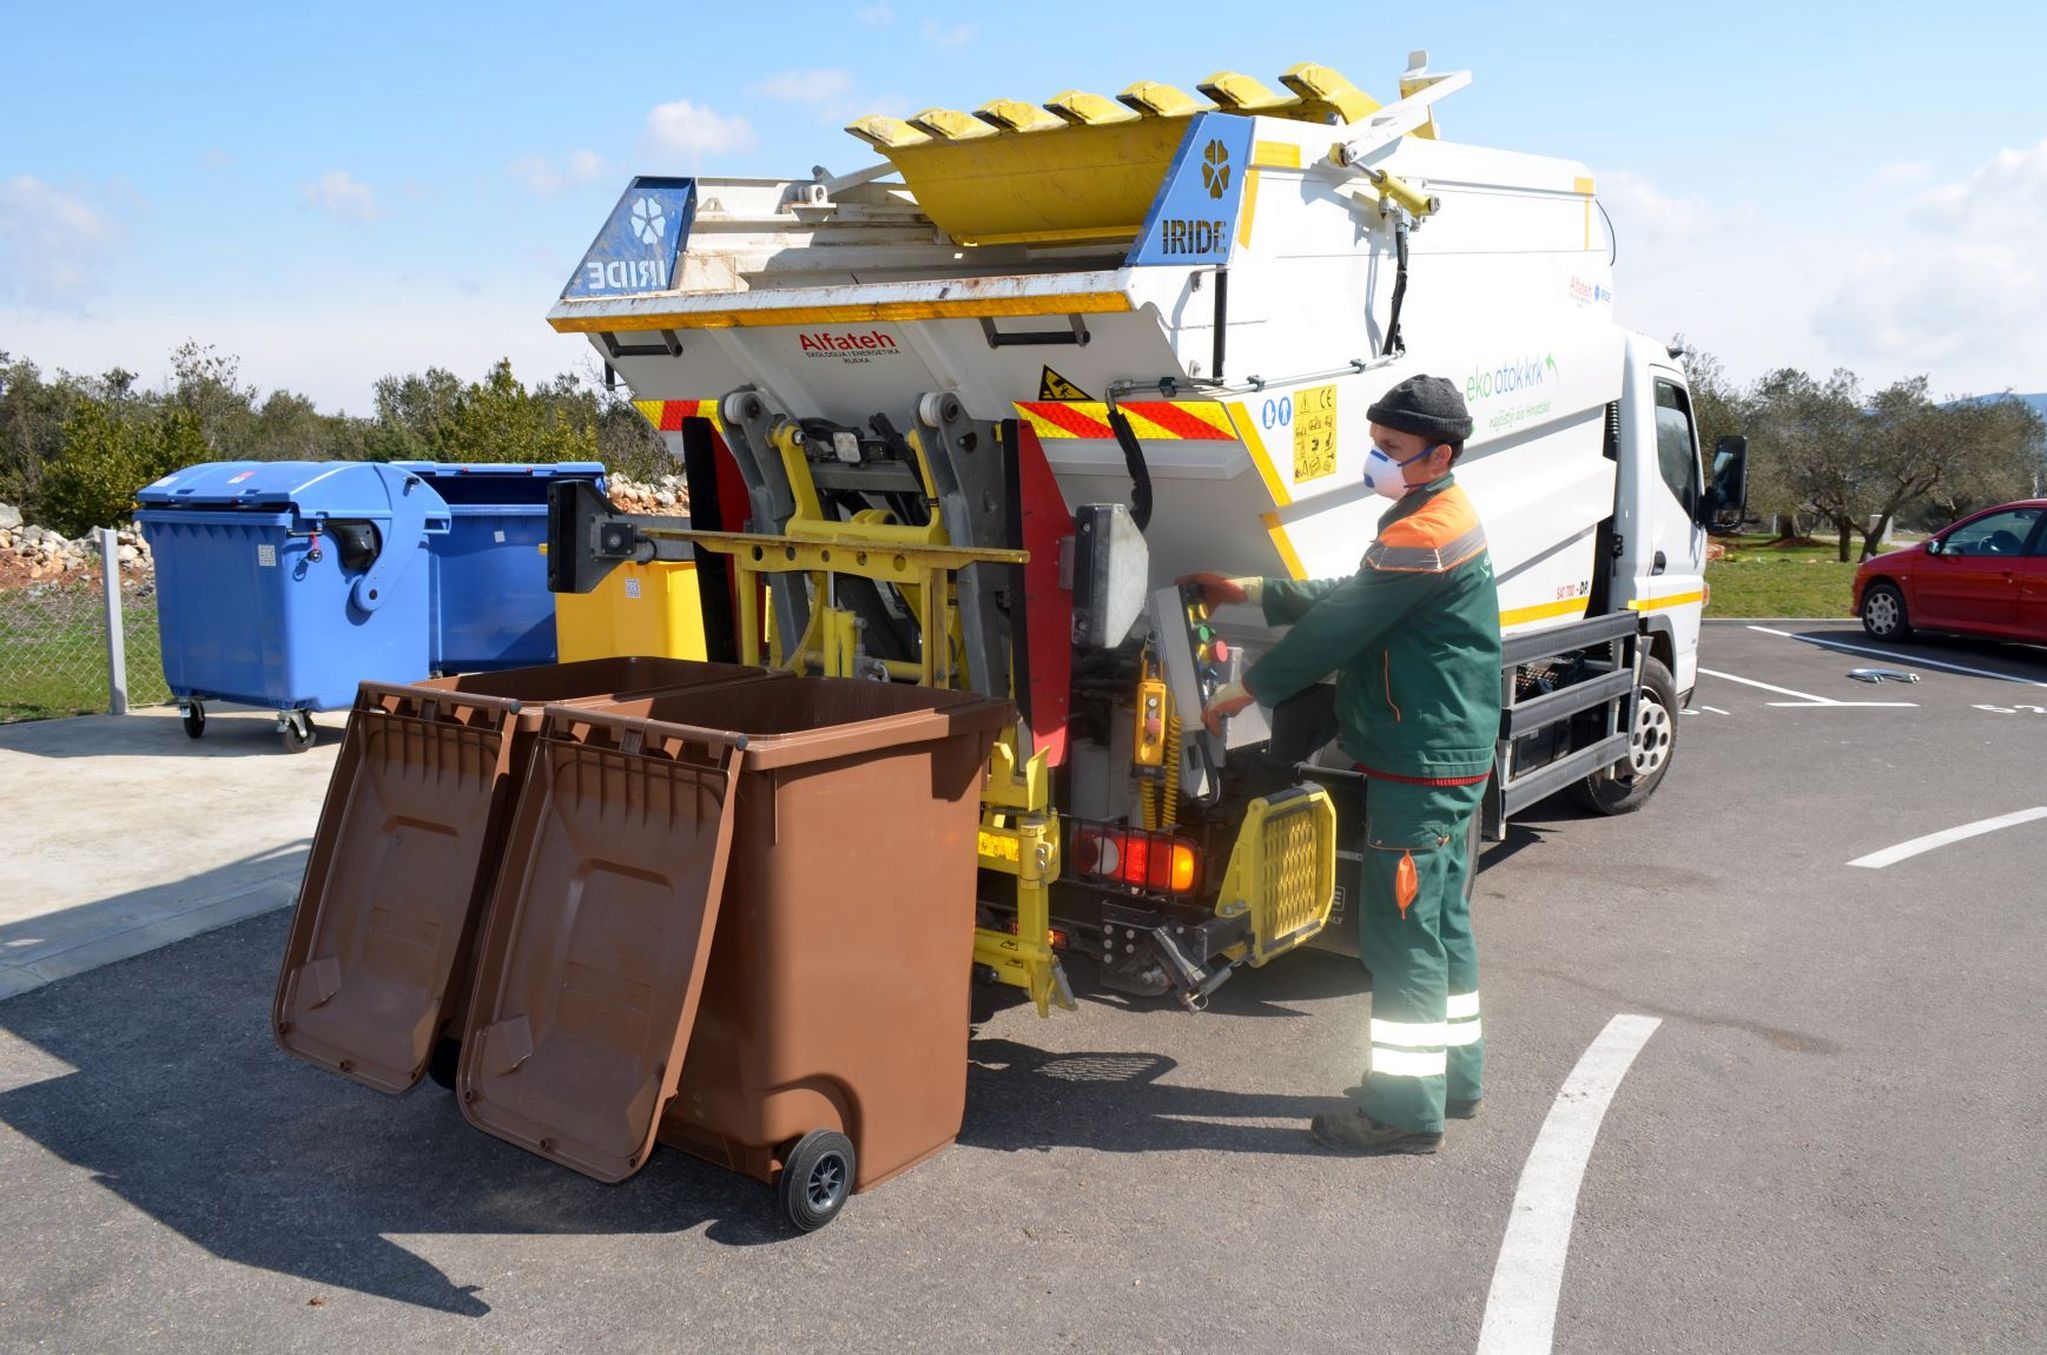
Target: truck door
(1663, 550)
(1973, 583)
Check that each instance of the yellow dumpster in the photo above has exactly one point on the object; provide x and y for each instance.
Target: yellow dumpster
(648, 609)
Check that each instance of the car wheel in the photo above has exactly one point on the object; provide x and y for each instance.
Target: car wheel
(1883, 612)
(1650, 749)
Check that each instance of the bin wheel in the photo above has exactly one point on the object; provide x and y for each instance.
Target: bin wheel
(195, 720)
(298, 732)
(446, 1060)
(816, 1178)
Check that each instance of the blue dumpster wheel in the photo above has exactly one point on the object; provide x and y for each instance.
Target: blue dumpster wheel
(195, 720)
(298, 732)
(816, 1178)
(446, 1060)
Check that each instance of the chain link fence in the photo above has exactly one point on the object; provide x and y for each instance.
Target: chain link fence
(53, 646)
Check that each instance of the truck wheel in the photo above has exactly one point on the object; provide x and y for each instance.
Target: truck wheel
(1649, 751)
(1883, 613)
(816, 1179)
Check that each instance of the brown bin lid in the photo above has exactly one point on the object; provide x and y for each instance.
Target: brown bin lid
(383, 913)
(593, 956)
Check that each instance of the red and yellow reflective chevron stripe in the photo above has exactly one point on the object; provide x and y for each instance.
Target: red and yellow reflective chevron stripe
(667, 415)
(1151, 420)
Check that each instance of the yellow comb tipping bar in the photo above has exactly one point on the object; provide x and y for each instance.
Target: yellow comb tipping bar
(1083, 109)
(949, 124)
(886, 133)
(1321, 88)
(1155, 100)
(1014, 115)
(1239, 92)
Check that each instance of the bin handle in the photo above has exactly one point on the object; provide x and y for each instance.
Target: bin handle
(635, 734)
(425, 703)
(407, 529)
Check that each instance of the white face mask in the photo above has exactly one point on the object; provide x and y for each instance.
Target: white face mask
(1383, 475)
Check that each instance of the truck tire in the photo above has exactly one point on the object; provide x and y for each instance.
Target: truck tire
(1649, 752)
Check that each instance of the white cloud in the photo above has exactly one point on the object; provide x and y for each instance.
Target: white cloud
(51, 243)
(342, 196)
(874, 16)
(688, 132)
(1926, 271)
(544, 176)
(806, 87)
(959, 35)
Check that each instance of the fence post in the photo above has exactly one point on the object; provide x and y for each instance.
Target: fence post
(117, 648)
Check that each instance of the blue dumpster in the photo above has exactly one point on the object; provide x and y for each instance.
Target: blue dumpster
(283, 584)
(487, 601)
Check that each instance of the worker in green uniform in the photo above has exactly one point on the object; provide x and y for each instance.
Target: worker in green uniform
(1414, 640)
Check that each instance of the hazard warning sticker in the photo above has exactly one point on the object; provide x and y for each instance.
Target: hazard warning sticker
(1314, 433)
(1052, 386)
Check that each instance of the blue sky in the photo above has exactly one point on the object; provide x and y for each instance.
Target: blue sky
(333, 193)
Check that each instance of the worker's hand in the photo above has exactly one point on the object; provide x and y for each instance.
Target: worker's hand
(1229, 698)
(1218, 590)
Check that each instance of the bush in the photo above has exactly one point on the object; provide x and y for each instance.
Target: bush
(106, 459)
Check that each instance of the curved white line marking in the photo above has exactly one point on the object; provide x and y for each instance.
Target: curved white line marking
(1521, 1307)
(1890, 855)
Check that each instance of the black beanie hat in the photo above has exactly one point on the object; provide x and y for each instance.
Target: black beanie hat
(1427, 406)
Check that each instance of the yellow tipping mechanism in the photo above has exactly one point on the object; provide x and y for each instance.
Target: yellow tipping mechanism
(1081, 168)
(949, 124)
(1152, 99)
(1020, 837)
(1019, 833)
(1326, 96)
(1240, 93)
(1282, 874)
(1082, 109)
(1014, 115)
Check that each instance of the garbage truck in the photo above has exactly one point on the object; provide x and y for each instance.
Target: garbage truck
(961, 416)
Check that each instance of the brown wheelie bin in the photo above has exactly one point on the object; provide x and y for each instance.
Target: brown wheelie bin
(377, 965)
(739, 921)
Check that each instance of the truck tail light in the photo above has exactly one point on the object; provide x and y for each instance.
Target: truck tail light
(1157, 863)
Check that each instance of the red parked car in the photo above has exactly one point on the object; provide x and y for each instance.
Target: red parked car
(1985, 575)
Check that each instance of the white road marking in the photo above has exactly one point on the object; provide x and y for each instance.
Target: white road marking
(2010, 710)
(1716, 710)
(1902, 660)
(1806, 698)
(1521, 1307)
(1892, 855)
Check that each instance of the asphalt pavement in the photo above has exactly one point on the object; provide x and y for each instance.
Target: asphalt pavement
(1832, 1141)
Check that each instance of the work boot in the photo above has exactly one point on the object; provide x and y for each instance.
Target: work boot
(1353, 1131)
(1463, 1110)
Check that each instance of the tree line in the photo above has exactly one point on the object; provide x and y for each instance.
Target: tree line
(74, 449)
(1826, 453)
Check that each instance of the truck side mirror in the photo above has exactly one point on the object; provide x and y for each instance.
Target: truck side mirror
(1726, 499)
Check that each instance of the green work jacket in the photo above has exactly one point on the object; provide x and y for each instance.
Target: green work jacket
(1413, 638)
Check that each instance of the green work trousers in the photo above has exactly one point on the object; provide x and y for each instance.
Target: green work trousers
(1415, 936)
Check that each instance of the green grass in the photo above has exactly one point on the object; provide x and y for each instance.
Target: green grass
(53, 653)
(1761, 577)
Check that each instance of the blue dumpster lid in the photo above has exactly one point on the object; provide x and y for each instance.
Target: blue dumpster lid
(323, 489)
